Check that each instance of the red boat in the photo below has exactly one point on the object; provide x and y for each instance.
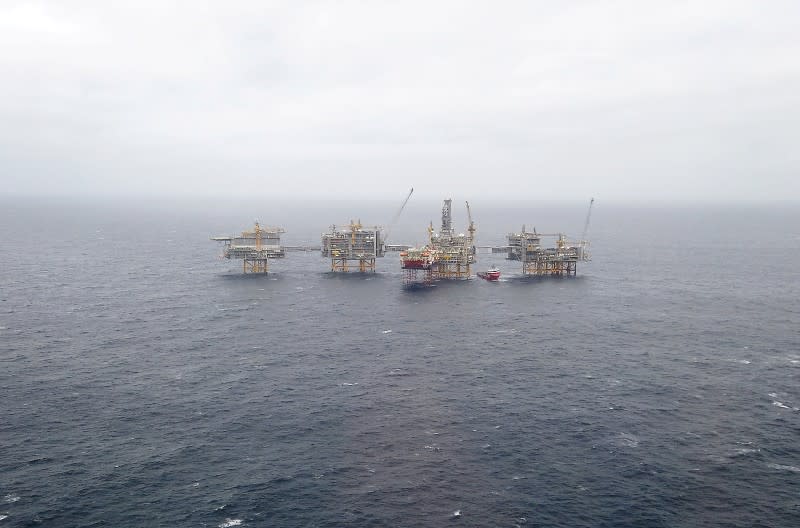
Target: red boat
(492, 274)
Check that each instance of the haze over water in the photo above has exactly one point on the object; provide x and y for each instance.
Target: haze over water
(146, 382)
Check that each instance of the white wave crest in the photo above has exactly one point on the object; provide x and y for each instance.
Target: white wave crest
(784, 467)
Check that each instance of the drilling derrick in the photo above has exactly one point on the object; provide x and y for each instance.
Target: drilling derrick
(453, 253)
(353, 243)
(447, 219)
(254, 248)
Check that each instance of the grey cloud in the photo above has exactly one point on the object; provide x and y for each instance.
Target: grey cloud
(626, 100)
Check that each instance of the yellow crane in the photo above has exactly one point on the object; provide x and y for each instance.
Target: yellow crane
(354, 227)
(471, 228)
(258, 236)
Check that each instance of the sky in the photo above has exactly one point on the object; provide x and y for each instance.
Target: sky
(626, 101)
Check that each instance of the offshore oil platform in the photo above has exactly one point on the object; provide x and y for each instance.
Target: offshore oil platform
(560, 260)
(537, 260)
(354, 243)
(446, 256)
(254, 248)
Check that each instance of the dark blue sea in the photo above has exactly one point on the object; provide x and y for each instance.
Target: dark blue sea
(146, 382)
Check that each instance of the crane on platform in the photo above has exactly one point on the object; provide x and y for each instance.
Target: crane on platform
(586, 223)
(583, 243)
(471, 228)
(257, 234)
(397, 215)
(354, 228)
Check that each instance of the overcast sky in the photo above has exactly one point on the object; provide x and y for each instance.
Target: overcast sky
(627, 100)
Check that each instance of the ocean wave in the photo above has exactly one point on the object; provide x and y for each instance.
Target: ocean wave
(745, 451)
(781, 467)
(626, 440)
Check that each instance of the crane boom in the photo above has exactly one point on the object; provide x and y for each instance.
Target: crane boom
(588, 217)
(471, 227)
(397, 215)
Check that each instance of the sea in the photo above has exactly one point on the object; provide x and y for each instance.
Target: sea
(145, 381)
